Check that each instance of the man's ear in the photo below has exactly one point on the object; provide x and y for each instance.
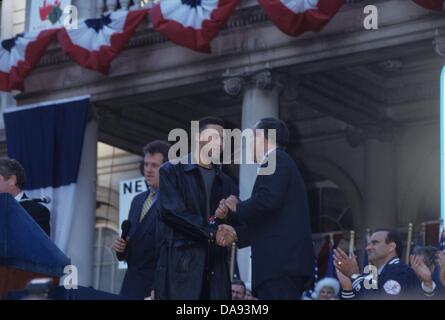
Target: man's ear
(12, 181)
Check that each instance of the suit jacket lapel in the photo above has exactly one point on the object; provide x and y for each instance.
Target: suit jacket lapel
(145, 225)
(136, 214)
(148, 219)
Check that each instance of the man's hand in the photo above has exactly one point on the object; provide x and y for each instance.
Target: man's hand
(346, 265)
(222, 211)
(345, 282)
(441, 262)
(120, 245)
(225, 235)
(421, 270)
(231, 203)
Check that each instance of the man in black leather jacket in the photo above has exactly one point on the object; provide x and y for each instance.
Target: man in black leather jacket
(191, 266)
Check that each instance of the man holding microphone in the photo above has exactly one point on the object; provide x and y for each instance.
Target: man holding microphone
(139, 249)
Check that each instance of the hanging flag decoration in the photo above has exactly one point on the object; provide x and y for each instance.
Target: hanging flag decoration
(189, 23)
(48, 139)
(436, 5)
(24, 246)
(97, 42)
(192, 23)
(20, 55)
(295, 17)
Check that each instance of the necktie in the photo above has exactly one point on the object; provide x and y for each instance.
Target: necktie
(147, 204)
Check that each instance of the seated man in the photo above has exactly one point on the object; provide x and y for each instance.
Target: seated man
(12, 181)
(387, 277)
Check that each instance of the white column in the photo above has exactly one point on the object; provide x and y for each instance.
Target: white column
(380, 185)
(81, 241)
(261, 99)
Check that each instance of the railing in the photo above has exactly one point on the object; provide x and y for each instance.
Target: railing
(94, 9)
(99, 7)
(91, 9)
(104, 6)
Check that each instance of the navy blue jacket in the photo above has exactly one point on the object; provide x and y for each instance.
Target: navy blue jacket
(140, 253)
(277, 224)
(38, 212)
(395, 281)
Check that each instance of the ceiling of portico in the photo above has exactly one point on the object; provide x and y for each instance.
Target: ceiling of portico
(364, 91)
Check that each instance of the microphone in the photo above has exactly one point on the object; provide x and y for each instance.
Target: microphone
(125, 227)
(45, 200)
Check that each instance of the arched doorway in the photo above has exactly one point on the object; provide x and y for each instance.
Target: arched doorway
(335, 201)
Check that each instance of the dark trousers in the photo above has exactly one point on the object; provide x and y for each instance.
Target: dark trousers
(282, 288)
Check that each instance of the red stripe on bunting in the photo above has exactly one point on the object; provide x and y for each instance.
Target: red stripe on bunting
(195, 39)
(14, 80)
(101, 60)
(436, 5)
(295, 24)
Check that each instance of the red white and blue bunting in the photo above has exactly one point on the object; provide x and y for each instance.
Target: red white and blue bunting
(97, 42)
(192, 23)
(296, 17)
(436, 5)
(20, 55)
(189, 23)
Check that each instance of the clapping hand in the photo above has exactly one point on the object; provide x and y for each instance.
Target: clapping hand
(422, 271)
(345, 264)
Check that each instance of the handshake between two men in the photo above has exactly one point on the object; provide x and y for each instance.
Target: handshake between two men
(226, 235)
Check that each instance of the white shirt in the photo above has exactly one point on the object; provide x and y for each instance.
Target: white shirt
(19, 197)
(265, 159)
(266, 156)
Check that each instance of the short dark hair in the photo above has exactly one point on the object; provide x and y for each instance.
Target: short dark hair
(157, 146)
(282, 131)
(11, 167)
(393, 236)
(207, 121)
(240, 283)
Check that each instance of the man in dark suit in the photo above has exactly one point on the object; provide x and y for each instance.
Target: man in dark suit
(139, 249)
(276, 219)
(12, 181)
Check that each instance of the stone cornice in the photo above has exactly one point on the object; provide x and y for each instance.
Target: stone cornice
(344, 40)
